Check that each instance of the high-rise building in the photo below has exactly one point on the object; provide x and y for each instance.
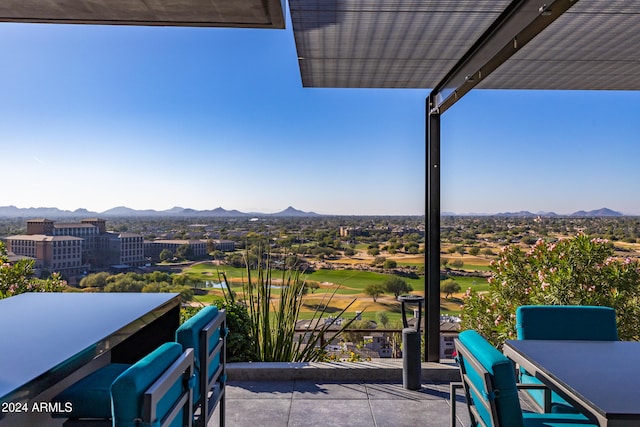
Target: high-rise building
(52, 253)
(71, 248)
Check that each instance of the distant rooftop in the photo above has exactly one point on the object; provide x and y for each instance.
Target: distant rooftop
(72, 225)
(43, 238)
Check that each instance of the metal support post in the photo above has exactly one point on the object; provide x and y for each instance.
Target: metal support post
(432, 262)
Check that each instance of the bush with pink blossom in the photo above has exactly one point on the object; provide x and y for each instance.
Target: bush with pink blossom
(572, 271)
(18, 277)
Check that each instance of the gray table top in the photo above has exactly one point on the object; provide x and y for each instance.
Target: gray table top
(605, 375)
(41, 331)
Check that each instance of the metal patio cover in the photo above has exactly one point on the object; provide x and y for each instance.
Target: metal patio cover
(193, 13)
(595, 44)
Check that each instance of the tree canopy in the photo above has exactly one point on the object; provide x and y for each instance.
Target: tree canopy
(374, 290)
(397, 286)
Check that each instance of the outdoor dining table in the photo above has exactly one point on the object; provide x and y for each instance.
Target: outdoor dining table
(45, 337)
(601, 376)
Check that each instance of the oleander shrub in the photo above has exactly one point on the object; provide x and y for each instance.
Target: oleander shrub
(18, 277)
(572, 271)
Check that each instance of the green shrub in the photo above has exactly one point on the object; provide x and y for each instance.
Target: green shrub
(19, 277)
(573, 271)
(239, 343)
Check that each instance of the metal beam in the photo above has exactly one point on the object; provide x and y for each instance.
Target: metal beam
(515, 27)
(432, 254)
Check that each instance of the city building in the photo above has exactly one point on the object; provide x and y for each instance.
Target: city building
(153, 248)
(73, 248)
(52, 253)
(224, 245)
(123, 249)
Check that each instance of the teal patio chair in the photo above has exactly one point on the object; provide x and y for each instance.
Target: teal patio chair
(206, 333)
(154, 391)
(489, 382)
(562, 322)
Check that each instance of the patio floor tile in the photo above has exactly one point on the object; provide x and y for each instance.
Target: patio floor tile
(296, 403)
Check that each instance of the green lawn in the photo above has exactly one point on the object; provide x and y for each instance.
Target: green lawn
(343, 282)
(350, 281)
(475, 283)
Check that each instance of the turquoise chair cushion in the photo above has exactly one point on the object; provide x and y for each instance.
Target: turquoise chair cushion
(91, 396)
(503, 379)
(127, 391)
(566, 322)
(558, 404)
(188, 334)
(556, 420)
(563, 322)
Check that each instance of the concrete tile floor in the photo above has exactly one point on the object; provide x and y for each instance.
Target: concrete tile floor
(299, 403)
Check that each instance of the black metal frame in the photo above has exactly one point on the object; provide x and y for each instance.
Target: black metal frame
(432, 254)
(516, 26)
(489, 405)
(212, 387)
(182, 367)
(520, 23)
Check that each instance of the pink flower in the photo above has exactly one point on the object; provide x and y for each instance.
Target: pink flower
(544, 285)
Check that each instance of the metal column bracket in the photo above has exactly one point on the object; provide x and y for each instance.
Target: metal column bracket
(520, 23)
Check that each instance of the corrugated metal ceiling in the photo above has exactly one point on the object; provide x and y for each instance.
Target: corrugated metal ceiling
(413, 44)
(206, 13)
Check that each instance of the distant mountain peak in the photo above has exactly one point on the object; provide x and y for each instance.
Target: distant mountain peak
(175, 209)
(13, 211)
(291, 211)
(598, 212)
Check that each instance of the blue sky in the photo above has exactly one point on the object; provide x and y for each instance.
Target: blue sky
(150, 118)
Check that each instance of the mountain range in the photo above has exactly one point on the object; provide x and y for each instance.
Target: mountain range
(603, 212)
(122, 211)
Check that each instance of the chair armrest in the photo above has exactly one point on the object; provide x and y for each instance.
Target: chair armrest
(547, 393)
(452, 396)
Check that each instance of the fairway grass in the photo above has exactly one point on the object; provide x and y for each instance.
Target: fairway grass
(346, 285)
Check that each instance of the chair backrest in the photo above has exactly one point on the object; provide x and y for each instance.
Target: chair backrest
(205, 332)
(566, 322)
(156, 390)
(489, 382)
